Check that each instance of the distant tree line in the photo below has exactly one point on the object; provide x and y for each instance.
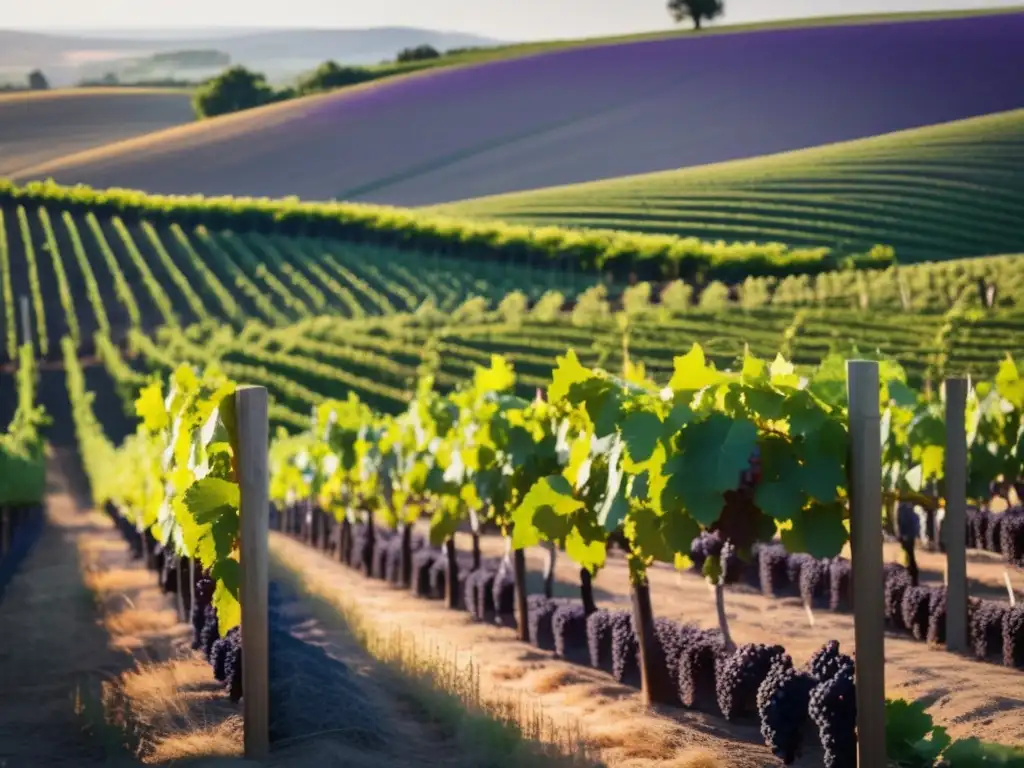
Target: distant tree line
(240, 88)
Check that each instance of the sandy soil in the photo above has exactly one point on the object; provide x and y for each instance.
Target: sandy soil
(39, 128)
(575, 116)
(969, 697)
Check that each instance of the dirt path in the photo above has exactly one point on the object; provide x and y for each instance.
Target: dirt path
(969, 697)
(53, 655)
(570, 701)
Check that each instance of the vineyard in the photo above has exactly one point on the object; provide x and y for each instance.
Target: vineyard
(939, 192)
(644, 458)
(617, 474)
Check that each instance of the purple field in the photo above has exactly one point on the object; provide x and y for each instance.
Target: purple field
(587, 114)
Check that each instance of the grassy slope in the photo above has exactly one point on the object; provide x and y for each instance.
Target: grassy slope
(515, 50)
(461, 132)
(938, 192)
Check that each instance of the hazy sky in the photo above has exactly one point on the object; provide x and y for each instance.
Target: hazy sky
(506, 19)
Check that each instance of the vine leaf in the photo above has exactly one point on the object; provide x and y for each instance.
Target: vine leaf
(210, 498)
(713, 454)
(641, 431)
(691, 372)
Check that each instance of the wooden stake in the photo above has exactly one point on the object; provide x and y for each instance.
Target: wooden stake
(254, 487)
(865, 474)
(1009, 587)
(26, 321)
(954, 525)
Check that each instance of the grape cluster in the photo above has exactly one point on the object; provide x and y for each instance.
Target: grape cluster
(671, 638)
(839, 581)
(233, 670)
(739, 676)
(814, 582)
(478, 592)
(1011, 537)
(795, 565)
(897, 582)
(986, 628)
(625, 649)
(540, 617)
(773, 569)
(381, 543)
(833, 709)
(707, 544)
(222, 649)
(916, 607)
(422, 562)
(1013, 636)
(698, 663)
(503, 593)
(569, 627)
(994, 534)
(782, 702)
(204, 596)
(826, 662)
(937, 609)
(599, 639)
(210, 632)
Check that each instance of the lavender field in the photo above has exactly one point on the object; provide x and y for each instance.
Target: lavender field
(585, 114)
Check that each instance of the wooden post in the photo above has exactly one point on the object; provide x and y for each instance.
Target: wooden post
(522, 606)
(254, 487)
(26, 321)
(865, 473)
(955, 523)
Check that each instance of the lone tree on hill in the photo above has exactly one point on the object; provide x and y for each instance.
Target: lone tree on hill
(37, 81)
(698, 10)
(233, 90)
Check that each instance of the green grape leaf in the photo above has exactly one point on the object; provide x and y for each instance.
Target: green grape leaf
(443, 526)
(680, 415)
(782, 499)
(567, 373)
(1009, 383)
(226, 601)
(613, 510)
(764, 403)
(641, 431)
(691, 372)
(590, 555)
(149, 406)
(818, 530)
(713, 454)
(679, 531)
(211, 497)
(932, 461)
(545, 510)
(805, 414)
(647, 537)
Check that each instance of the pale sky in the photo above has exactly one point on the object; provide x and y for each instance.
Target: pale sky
(505, 19)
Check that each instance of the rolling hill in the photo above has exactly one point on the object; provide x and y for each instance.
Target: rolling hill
(276, 52)
(38, 127)
(582, 114)
(955, 189)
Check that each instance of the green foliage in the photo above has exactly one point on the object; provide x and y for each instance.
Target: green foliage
(417, 53)
(649, 256)
(914, 741)
(233, 90)
(22, 448)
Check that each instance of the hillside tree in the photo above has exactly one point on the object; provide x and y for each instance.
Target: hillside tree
(417, 53)
(696, 10)
(233, 90)
(37, 81)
